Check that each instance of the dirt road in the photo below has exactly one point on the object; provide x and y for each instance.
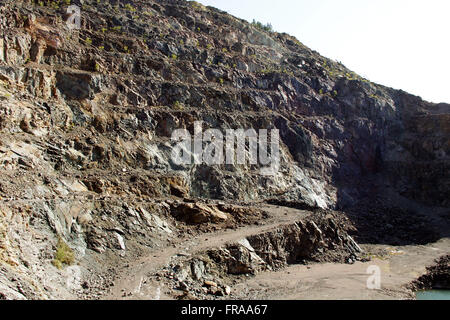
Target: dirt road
(133, 283)
(398, 266)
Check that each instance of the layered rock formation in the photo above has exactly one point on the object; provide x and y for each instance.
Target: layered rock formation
(86, 117)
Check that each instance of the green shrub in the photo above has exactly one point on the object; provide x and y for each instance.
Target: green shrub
(197, 6)
(54, 5)
(177, 105)
(64, 254)
(261, 26)
(129, 7)
(270, 70)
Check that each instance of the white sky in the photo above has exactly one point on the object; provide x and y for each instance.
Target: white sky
(404, 44)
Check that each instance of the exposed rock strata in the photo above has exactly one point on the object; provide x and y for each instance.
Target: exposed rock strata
(86, 118)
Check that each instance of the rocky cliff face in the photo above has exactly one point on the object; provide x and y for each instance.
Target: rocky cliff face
(86, 117)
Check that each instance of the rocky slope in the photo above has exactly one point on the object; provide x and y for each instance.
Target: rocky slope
(86, 117)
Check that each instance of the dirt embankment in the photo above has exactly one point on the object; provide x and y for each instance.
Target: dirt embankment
(436, 277)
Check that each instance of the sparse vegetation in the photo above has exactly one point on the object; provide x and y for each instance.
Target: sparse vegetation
(177, 105)
(129, 7)
(54, 5)
(298, 43)
(331, 70)
(64, 255)
(270, 70)
(338, 70)
(265, 27)
(197, 6)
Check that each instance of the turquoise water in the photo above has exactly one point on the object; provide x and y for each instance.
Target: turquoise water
(433, 295)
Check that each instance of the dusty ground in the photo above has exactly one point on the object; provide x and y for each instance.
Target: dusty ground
(343, 281)
(399, 266)
(134, 282)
